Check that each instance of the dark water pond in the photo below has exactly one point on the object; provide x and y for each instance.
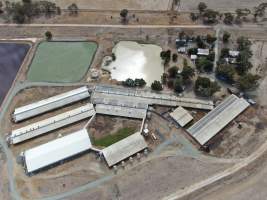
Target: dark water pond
(11, 58)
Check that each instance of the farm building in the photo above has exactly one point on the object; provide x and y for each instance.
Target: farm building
(52, 123)
(203, 52)
(55, 151)
(217, 119)
(120, 111)
(234, 54)
(107, 93)
(181, 116)
(124, 149)
(49, 104)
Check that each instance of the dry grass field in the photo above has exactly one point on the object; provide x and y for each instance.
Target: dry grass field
(116, 4)
(220, 5)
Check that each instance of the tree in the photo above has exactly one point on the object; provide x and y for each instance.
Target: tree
(211, 56)
(48, 35)
(113, 56)
(166, 56)
(200, 43)
(243, 61)
(206, 88)
(173, 71)
(139, 82)
(129, 82)
(202, 7)
(225, 52)
(194, 16)
(211, 39)
(174, 57)
(178, 84)
(192, 51)
(242, 12)
(124, 14)
(228, 18)
(226, 37)
(164, 78)
(134, 83)
(210, 16)
(157, 86)
(248, 82)
(203, 64)
(73, 9)
(225, 72)
(243, 43)
(187, 73)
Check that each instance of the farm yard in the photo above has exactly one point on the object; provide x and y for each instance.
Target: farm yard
(61, 61)
(155, 123)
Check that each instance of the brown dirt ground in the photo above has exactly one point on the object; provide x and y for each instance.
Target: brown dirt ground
(233, 142)
(153, 179)
(103, 125)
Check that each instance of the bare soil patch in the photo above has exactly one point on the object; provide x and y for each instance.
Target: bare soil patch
(242, 136)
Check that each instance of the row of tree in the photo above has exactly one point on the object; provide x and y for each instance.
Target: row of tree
(210, 16)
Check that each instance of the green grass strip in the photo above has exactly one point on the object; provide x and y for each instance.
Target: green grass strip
(113, 138)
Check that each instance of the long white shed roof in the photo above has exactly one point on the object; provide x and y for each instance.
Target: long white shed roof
(120, 111)
(181, 116)
(51, 103)
(217, 119)
(56, 150)
(108, 94)
(52, 123)
(124, 148)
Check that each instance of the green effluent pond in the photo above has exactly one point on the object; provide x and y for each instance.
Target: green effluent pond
(61, 61)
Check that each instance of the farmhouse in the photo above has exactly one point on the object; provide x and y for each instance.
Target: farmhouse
(203, 52)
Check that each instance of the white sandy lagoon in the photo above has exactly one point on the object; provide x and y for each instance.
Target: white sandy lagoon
(134, 60)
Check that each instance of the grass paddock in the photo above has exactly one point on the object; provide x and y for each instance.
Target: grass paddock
(61, 61)
(113, 138)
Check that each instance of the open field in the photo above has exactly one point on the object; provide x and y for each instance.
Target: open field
(11, 58)
(153, 179)
(115, 4)
(61, 61)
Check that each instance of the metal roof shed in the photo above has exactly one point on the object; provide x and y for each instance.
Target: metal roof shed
(56, 150)
(50, 124)
(49, 104)
(181, 116)
(120, 111)
(203, 52)
(124, 148)
(217, 119)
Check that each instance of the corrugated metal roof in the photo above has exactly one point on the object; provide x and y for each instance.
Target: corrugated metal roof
(52, 123)
(217, 119)
(51, 103)
(124, 148)
(107, 94)
(204, 52)
(181, 116)
(56, 150)
(120, 111)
